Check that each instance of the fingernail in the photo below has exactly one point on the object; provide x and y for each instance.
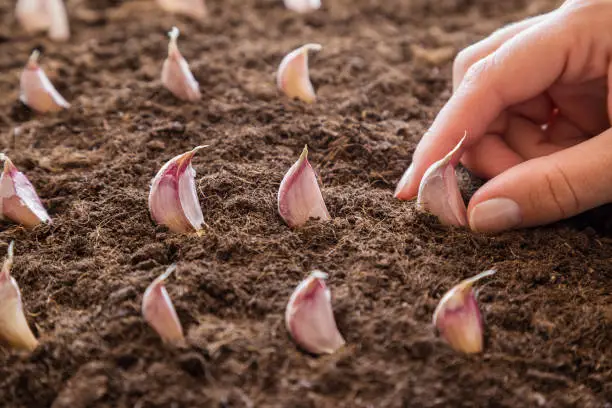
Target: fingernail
(497, 214)
(403, 183)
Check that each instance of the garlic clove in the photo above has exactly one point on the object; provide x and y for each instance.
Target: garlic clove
(293, 78)
(14, 329)
(176, 75)
(195, 9)
(303, 6)
(32, 15)
(18, 199)
(439, 192)
(299, 195)
(59, 30)
(37, 91)
(173, 199)
(458, 317)
(309, 316)
(159, 312)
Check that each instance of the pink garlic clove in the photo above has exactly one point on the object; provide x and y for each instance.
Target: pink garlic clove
(18, 199)
(299, 195)
(159, 312)
(309, 316)
(293, 78)
(303, 6)
(458, 319)
(173, 199)
(439, 192)
(195, 9)
(37, 91)
(40, 15)
(14, 329)
(176, 75)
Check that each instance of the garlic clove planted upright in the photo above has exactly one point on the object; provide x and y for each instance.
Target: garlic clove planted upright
(159, 312)
(37, 91)
(303, 6)
(309, 316)
(14, 329)
(458, 319)
(293, 78)
(176, 75)
(40, 15)
(18, 199)
(439, 192)
(299, 195)
(173, 199)
(195, 9)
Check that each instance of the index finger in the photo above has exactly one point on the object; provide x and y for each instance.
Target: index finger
(522, 68)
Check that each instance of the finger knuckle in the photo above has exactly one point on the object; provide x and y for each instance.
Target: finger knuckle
(462, 62)
(560, 192)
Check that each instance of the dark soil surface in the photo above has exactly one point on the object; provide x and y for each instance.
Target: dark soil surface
(383, 74)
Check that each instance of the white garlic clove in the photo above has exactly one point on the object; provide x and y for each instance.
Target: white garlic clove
(59, 30)
(176, 75)
(195, 9)
(309, 316)
(18, 199)
(299, 195)
(173, 199)
(14, 329)
(159, 312)
(40, 15)
(303, 6)
(37, 91)
(293, 78)
(439, 192)
(32, 15)
(458, 319)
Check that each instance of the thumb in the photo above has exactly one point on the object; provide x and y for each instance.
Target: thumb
(546, 189)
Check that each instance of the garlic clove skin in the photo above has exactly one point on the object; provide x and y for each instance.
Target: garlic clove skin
(299, 195)
(303, 6)
(173, 199)
(37, 91)
(195, 9)
(176, 75)
(59, 29)
(309, 316)
(293, 78)
(159, 312)
(439, 192)
(32, 15)
(18, 199)
(458, 319)
(14, 329)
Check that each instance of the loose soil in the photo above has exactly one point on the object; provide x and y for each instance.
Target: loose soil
(383, 74)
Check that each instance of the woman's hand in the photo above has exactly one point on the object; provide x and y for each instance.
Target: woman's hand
(536, 103)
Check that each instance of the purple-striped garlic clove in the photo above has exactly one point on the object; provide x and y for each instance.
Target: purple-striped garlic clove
(195, 9)
(439, 192)
(176, 75)
(37, 91)
(40, 15)
(303, 6)
(293, 78)
(173, 199)
(299, 195)
(309, 316)
(14, 329)
(457, 317)
(18, 199)
(159, 312)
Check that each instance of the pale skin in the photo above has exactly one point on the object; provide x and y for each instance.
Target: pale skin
(535, 98)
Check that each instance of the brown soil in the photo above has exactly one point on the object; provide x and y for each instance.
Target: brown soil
(383, 74)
